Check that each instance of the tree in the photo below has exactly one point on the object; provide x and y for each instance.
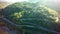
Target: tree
(26, 13)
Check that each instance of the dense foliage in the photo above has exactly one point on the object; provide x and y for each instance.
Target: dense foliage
(26, 13)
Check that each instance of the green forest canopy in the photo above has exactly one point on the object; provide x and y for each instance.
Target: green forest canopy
(26, 13)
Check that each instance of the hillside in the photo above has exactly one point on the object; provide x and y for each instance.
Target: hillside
(25, 13)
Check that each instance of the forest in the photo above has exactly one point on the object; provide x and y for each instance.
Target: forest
(32, 18)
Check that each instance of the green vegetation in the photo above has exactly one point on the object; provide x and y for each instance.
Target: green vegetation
(26, 13)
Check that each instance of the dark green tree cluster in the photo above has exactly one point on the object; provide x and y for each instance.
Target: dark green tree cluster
(26, 13)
